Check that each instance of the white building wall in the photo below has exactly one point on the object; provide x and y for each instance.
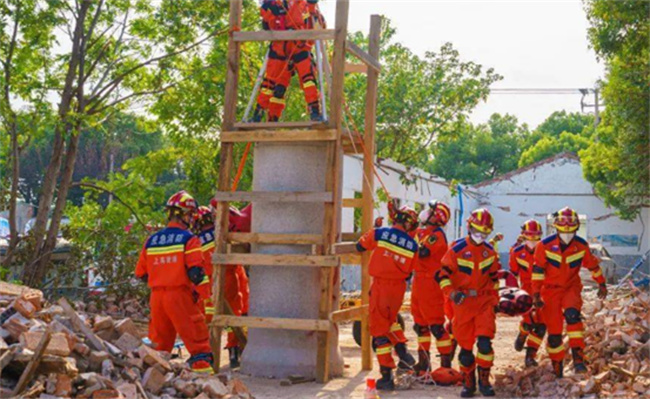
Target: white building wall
(544, 189)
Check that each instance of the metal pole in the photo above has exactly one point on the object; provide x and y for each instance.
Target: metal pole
(256, 88)
(319, 63)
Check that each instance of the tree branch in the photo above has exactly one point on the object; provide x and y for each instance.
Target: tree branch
(99, 188)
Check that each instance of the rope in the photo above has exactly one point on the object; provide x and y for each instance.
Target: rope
(240, 168)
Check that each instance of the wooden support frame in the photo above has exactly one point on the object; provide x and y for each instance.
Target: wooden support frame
(353, 313)
(272, 323)
(296, 260)
(352, 202)
(355, 68)
(269, 238)
(258, 136)
(286, 35)
(279, 125)
(273, 196)
(368, 59)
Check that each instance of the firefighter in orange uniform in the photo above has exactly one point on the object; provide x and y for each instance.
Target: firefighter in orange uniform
(391, 263)
(288, 57)
(531, 329)
(427, 300)
(171, 263)
(469, 276)
(557, 287)
(234, 286)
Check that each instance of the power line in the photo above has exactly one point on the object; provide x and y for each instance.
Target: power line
(537, 91)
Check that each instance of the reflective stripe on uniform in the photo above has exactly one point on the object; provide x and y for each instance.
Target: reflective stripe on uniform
(203, 370)
(208, 245)
(276, 100)
(487, 358)
(206, 280)
(444, 282)
(425, 339)
(534, 339)
(575, 257)
(554, 256)
(191, 251)
(268, 92)
(395, 327)
(597, 273)
(465, 262)
(575, 334)
(384, 351)
(165, 250)
(537, 276)
(210, 310)
(309, 84)
(523, 263)
(486, 263)
(396, 249)
(442, 344)
(552, 350)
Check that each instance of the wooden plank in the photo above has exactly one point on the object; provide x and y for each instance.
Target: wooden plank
(30, 370)
(225, 170)
(275, 260)
(283, 35)
(351, 236)
(279, 125)
(257, 136)
(368, 189)
(352, 259)
(341, 248)
(353, 313)
(271, 323)
(352, 202)
(338, 64)
(372, 62)
(270, 238)
(95, 342)
(273, 196)
(356, 68)
(7, 357)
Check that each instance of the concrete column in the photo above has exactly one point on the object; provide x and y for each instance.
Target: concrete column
(291, 292)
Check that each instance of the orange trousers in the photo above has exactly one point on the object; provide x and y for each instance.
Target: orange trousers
(556, 301)
(529, 327)
(173, 312)
(427, 308)
(386, 298)
(475, 317)
(235, 285)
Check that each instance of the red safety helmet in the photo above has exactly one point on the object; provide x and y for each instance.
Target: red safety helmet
(481, 219)
(240, 220)
(203, 217)
(514, 302)
(531, 230)
(182, 203)
(436, 214)
(446, 376)
(566, 220)
(406, 214)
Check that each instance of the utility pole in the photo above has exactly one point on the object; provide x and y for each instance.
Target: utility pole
(595, 105)
(596, 109)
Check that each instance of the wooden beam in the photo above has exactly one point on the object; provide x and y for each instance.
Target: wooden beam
(95, 342)
(348, 314)
(351, 236)
(341, 248)
(355, 68)
(270, 238)
(279, 125)
(338, 64)
(271, 323)
(352, 202)
(28, 374)
(372, 62)
(368, 188)
(283, 35)
(257, 136)
(275, 260)
(273, 196)
(352, 259)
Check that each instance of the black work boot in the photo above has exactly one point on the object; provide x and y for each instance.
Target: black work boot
(406, 360)
(423, 363)
(233, 356)
(445, 361)
(454, 346)
(579, 360)
(530, 361)
(386, 383)
(469, 384)
(520, 341)
(258, 114)
(314, 114)
(484, 382)
(558, 368)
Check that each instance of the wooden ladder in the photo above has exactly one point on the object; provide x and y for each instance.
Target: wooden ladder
(330, 132)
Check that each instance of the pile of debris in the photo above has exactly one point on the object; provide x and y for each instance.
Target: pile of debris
(618, 352)
(54, 351)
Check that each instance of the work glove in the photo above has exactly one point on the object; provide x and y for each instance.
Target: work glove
(379, 221)
(457, 297)
(195, 296)
(602, 291)
(537, 301)
(145, 278)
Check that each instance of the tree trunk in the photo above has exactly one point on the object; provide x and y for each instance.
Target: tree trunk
(13, 196)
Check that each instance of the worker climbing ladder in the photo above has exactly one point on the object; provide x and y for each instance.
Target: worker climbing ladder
(338, 141)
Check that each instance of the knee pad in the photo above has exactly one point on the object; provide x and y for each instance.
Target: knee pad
(379, 341)
(572, 316)
(420, 330)
(301, 56)
(554, 340)
(279, 90)
(539, 329)
(484, 345)
(527, 327)
(466, 358)
(437, 330)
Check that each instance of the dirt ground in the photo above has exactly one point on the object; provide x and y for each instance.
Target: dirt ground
(352, 383)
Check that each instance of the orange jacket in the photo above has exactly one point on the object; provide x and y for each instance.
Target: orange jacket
(393, 252)
(432, 246)
(288, 14)
(557, 267)
(167, 255)
(521, 264)
(469, 267)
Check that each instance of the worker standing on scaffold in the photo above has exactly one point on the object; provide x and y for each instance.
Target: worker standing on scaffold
(288, 57)
(393, 255)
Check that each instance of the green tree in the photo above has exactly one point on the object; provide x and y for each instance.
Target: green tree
(549, 146)
(617, 161)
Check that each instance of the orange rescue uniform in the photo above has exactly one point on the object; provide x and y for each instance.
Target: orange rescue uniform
(391, 263)
(427, 299)
(556, 275)
(165, 259)
(521, 265)
(473, 270)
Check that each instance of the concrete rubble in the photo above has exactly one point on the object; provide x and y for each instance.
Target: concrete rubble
(54, 351)
(618, 351)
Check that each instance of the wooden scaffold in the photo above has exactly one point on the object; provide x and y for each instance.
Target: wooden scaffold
(339, 141)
